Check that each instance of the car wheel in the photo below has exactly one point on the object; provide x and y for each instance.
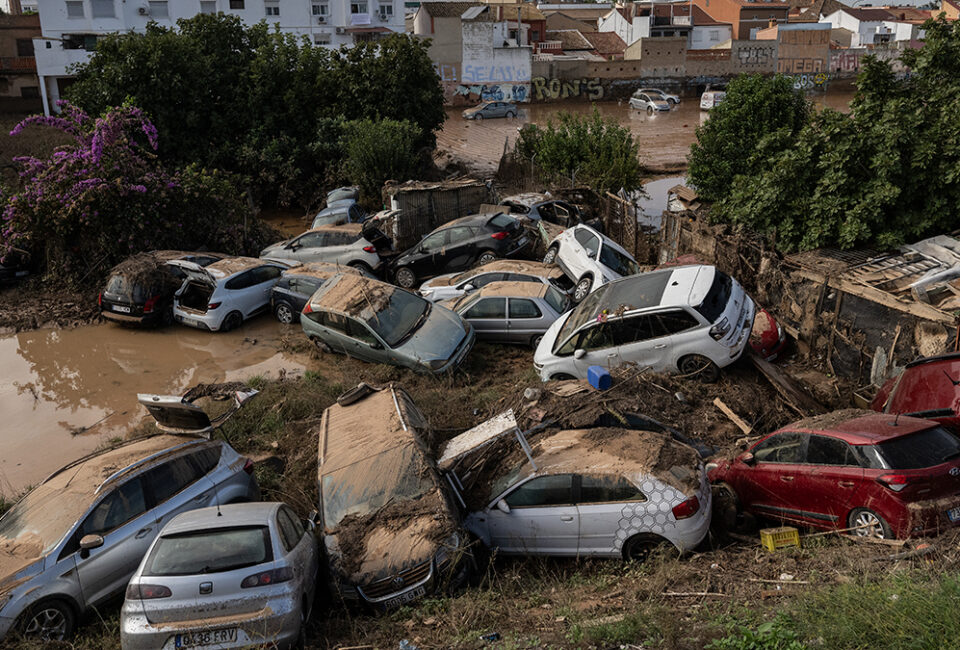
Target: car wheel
(726, 506)
(535, 341)
(699, 366)
(231, 322)
(551, 255)
(511, 114)
(323, 347)
(639, 547)
(486, 257)
(867, 523)
(478, 117)
(51, 620)
(363, 267)
(582, 290)
(406, 278)
(167, 318)
(671, 101)
(561, 376)
(649, 110)
(284, 313)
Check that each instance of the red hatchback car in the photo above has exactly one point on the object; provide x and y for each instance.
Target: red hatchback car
(927, 388)
(890, 476)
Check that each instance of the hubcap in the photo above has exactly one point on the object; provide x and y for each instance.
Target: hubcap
(583, 288)
(486, 258)
(48, 624)
(405, 278)
(868, 525)
(550, 256)
(284, 314)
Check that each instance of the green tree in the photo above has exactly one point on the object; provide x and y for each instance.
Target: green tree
(375, 152)
(755, 107)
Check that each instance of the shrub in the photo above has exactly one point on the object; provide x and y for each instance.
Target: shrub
(375, 152)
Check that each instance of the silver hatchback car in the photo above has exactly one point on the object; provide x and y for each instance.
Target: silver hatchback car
(511, 312)
(228, 577)
(73, 542)
(349, 244)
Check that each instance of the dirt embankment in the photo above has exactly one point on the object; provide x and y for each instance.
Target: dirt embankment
(32, 305)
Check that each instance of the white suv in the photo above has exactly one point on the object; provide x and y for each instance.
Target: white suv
(589, 259)
(691, 319)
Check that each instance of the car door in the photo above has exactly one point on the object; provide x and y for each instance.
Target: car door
(600, 504)
(525, 320)
(460, 248)
(830, 483)
(542, 518)
(312, 247)
(302, 290)
(768, 484)
(296, 543)
(648, 339)
(589, 249)
(126, 523)
(265, 277)
(241, 295)
(489, 317)
(430, 255)
(599, 348)
(366, 346)
(180, 484)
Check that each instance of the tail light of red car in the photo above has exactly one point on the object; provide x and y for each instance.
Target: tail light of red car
(895, 482)
(150, 304)
(500, 235)
(686, 509)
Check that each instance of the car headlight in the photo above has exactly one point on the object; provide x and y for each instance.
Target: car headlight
(436, 364)
(447, 550)
(426, 293)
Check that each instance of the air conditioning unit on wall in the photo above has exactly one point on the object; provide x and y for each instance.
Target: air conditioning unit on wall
(144, 10)
(321, 20)
(384, 18)
(340, 30)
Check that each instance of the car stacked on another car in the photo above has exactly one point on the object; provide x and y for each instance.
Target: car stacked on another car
(230, 576)
(378, 322)
(926, 388)
(454, 285)
(589, 259)
(342, 207)
(511, 312)
(689, 319)
(458, 245)
(221, 295)
(882, 475)
(140, 290)
(292, 293)
(374, 470)
(350, 244)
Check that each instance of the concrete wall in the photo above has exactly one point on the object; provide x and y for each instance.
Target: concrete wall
(18, 70)
(703, 37)
(803, 51)
(489, 72)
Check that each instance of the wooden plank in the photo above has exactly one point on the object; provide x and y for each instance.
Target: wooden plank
(746, 428)
(787, 387)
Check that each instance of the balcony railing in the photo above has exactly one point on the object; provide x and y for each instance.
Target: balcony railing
(18, 64)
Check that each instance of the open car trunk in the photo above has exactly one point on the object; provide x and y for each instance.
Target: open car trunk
(196, 295)
(175, 414)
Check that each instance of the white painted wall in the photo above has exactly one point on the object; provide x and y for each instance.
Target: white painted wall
(704, 37)
(865, 32)
(487, 62)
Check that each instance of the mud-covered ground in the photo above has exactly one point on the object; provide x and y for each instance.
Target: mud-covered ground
(33, 304)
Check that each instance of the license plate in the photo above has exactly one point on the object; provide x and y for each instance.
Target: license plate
(413, 594)
(953, 514)
(207, 637)
(121, 308)
(522, 242)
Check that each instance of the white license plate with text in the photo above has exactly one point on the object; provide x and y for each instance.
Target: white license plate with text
(206, 637)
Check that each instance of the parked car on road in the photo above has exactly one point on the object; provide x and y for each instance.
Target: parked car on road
(139, 290)
(458, 245)
(454, 285)
(649, 102)
(589, 259)
(378, 322)
(593, 493)
(881, 474)
(375, 471)
(492, 109)
(73, 542)
(230, 576)
(671, 99)
(926, 388)
(511, 312)
(689, 319)
(221, 295)
(350, 244)
(711, 98)
(292, 293)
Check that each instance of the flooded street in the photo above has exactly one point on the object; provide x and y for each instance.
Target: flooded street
(56, 382)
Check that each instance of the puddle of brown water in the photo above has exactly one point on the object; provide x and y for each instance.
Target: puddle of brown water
(56, 381)
(288, 221)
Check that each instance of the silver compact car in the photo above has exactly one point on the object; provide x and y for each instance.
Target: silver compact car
(378, 322)
(350, 244)
(511, 312)
(72, 542)
(454, 285)
(229, 577)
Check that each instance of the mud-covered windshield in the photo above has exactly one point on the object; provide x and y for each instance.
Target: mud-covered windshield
(35, 525)
(580, 315)
(401, 316)
(368, 485)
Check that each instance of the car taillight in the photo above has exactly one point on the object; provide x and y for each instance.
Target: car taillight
(369, 249)
(248, 466)
(148, 306)
(214, 305)
(721, 329)
(147, 592)
(267, 578)
(100, 299)
(308, 309)
(686, 509)
(500, 235)
(895, 482)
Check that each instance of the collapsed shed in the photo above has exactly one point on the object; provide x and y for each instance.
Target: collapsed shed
(425, 205)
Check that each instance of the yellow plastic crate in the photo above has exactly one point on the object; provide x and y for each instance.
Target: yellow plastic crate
(774, 538)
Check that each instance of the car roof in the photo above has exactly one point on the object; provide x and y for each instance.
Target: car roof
(224, 516)
(860, 427)
(351, 294)
(233, 265)
(379, 421)
(519, 266)
(512, 289)
(350, 228)
(483, 217)
(319, 270)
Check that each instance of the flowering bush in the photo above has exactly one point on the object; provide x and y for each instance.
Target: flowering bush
(105, 196)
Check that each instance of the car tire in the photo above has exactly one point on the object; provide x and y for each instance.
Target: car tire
(649, 110)
(478, 117)
(363, 267)
(233, 320)
(48, 620)
(699, 366)
(535, 341)
(726, 507)
(284, 313)
(167, 319)
(323, 347)
(582, 290)
(671, 101)
(551, 256)
(639, 547)
(405, 277)
(486, 257)
(561, 376)
(876, 526)
(511, 114)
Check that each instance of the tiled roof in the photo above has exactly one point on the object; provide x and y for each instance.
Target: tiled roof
(702, 19)
(605, 43)
(570, 39)
(447, 9)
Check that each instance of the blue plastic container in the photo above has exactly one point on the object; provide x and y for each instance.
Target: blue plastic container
(599, 378)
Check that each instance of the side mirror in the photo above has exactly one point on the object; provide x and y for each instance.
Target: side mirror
(748, 459)
(469, 287)
(503, 507)
(88, 542)
(579, 354)
(376, 345)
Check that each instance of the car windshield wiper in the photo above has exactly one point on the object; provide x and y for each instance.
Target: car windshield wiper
(416, 326)
(950, 456)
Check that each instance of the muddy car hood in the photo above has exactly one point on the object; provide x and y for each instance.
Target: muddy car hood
(274, 249)
(438, 337)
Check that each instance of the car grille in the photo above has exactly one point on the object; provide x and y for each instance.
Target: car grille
(398, 582)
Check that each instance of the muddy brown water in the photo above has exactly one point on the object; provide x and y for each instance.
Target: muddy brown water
(55, 382)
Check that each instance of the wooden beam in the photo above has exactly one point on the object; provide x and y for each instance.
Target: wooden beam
(799, 400)
(746, 428)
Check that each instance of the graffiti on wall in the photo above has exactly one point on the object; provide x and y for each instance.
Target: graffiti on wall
(494, 92)
(845, 60)
(809, 81)
(479, 74)
(800, 66)
(446, 72)
(754, 55)
(542, 89)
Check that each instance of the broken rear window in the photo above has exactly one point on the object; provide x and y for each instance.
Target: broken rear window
(188, 554)
(715, 303)
(921, 449)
